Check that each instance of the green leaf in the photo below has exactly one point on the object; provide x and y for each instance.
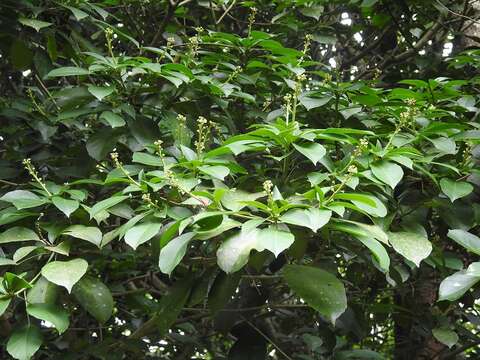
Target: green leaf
(379, 210)
(51, 313)
(114, 120)
(455, 189)
(412, 246)
(454, 286)
(222, 290)
(217, 171)
(274, 239)
(320, 289)
(7, 262)
(36, 24)
(313, 151)
(378, 251)
(465, 239)
(172, 253)
(387, 172)
(24, 342)
(65, 273)
(4, 302)
(64, 205)
(79, 14)
(106, 204)
(68, 71)
(234, 252)
(91, 234)
(139, 234)
(95, 297)
(17, 234)
(312, 218)
(445, 336)
(101, 92)
(43, 291)
(23, 199)
(313, 102)
(22, 252)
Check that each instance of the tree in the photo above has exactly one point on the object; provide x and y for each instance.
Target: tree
(239, 180)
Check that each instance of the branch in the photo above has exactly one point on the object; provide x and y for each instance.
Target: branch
(452, 354)
(172, 5)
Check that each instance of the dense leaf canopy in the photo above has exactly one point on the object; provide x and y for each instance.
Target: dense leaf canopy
(239, 179)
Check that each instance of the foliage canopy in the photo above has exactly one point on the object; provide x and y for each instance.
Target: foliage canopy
(239, 180)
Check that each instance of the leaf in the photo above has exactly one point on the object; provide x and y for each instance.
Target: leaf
(114, 120)
(445, 336)
(320, 289)
(378, 251)
(379, 210)
(95, 297)
(222, 290)
(64, 205)
(387, 172)
(234, 252)
(172, 253)
(106, 204)
(79, 14)
(6, 262)
(312, 218)
(65, 273)
(454, 286)
(313, 151)
(445, 145)
(36, 24)
(455, 189)
(17, 234)
(24, 342)
(67, 71)
(91, 234)
(4, 302)
(313, 102)
(218, 172)
(412, 246)
(23, 199)
(51, 313)
(139, 234)
(43, 291)
(465, 239)
(274, 240)
(22, 252)
(101, 92)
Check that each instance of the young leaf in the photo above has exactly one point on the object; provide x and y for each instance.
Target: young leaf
(172, 253)
(68, 71)
(274, 239)
(64, 205)
(24, 342)
(65, 273)
(313, 151)
(319, 288)
(139, 234)
(412, 246)
(388, 172)
(91, 234)
(106, 204)
(465, 239)
(17, 234)
(455, 189)
(33, 23)
(445, 336)
(217, 171)
(51, 313)
(312, 218)
(23, 199)
(454, 286)
(95, 297)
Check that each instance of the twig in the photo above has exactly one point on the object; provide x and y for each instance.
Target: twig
(226, 11)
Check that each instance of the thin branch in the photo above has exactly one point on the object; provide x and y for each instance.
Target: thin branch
(226, 12)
